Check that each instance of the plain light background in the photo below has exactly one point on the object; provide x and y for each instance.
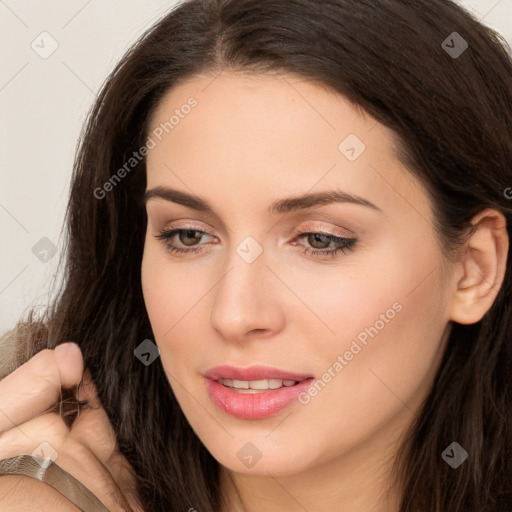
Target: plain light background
(43, 104)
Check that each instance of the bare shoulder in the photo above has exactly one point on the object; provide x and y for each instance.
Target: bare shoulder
(25, 494)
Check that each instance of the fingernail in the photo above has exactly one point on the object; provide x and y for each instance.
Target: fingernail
(65, 348)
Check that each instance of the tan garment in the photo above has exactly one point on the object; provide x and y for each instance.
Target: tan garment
(45, 470)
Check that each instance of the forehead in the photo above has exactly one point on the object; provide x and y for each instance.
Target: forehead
(271, 101)
(275, 132)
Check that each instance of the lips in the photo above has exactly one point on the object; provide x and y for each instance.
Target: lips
(257, 405)
(256, 372)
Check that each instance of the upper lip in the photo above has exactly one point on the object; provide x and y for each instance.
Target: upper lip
(256, 372)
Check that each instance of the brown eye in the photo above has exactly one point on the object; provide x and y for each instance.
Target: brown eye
(319, 244)
(185, 236)
(314, 239)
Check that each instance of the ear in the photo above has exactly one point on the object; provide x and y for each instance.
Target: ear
(482, 268)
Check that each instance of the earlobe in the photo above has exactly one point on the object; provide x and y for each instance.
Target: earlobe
(482, 268)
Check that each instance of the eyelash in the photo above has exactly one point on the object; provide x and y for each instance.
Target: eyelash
(344, 245)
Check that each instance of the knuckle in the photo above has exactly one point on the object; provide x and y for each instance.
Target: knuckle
(52, 423)
(80, 453)
(49, 428)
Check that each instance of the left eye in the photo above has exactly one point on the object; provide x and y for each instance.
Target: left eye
(191, 237)
(184, 235)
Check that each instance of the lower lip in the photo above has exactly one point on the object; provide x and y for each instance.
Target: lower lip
(255, 406)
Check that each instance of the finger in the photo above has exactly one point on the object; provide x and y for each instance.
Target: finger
(35, 386)
(47, 436)
(92, 426)
(93, 429)
(70, 364)
(41, 437)
(126, 479)
(81, 463)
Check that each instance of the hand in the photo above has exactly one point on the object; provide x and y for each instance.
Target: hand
(88, 449)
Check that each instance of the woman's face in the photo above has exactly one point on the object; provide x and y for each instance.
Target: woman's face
(368, 322)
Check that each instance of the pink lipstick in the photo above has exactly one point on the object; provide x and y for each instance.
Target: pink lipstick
(254, 393)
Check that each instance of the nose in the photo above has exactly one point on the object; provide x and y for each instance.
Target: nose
(246, 301)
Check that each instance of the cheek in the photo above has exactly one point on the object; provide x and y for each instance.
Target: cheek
(172, 295)
(168, 288)
(382, 361)
(389, 334)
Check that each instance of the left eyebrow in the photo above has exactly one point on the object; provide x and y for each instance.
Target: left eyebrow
(280, 206)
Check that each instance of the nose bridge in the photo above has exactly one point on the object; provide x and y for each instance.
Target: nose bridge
(246, 267)
(244, 299)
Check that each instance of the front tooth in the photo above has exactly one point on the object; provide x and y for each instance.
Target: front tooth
(275, 383)
(258, 384)
(241, 384)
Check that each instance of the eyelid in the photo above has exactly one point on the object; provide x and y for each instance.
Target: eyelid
(333, 231)
(307, 228)
(189, 226)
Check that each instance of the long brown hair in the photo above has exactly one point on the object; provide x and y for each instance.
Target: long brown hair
(452, 113)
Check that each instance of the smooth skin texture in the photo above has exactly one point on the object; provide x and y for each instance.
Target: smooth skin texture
(88, 450)
(252, 140)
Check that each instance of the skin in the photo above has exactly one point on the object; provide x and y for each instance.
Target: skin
(254, 139)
